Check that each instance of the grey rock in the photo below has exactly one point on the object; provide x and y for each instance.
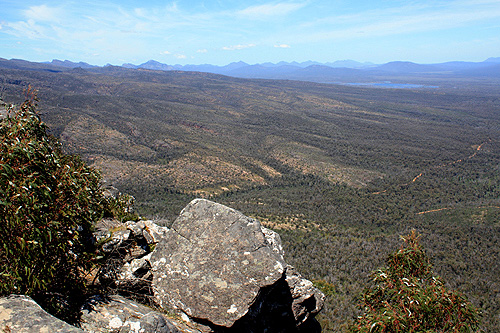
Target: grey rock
(116, 240)
(104, 227)
(119, 235)
(213, 263)
(152, 232)
(273, 312)
(127, 247)
(307, 299)
(118, 314)
(274, 241)
(109, 190)
(135, 269)
(135, 227)
(220, 270)
(19, 313)
(134, 278)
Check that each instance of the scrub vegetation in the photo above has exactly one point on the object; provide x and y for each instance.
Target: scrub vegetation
(49, 203)
(339, 171)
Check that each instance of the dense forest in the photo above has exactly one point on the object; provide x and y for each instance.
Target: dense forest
(341, 172)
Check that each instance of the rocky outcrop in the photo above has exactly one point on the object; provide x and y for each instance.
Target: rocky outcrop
(19, 313)
(117, 314)
(221, 268)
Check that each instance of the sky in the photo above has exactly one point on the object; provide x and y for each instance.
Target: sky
(219, 32)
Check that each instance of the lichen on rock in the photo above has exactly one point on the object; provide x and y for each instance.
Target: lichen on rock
(215, 264)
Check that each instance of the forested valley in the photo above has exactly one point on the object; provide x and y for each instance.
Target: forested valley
(340, 172)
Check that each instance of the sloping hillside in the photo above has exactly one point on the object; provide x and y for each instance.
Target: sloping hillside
(341, 171)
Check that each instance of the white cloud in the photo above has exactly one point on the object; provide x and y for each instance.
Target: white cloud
(29, 29)
(166, 52)
(43, 13)
(282, 46)
(180, 56)
(399, 20)
(202, 51)
(238, 47)
(266, 10)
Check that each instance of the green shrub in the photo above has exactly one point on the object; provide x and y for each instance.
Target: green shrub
(406, 297)
(326, 288)
(49, 203)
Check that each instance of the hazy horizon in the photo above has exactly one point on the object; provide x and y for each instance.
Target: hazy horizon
(306, 63)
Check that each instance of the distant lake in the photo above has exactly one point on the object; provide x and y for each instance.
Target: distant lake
(388, 84)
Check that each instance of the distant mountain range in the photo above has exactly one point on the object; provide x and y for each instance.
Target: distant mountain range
(343, 71)
(236, 66)
(324, 72)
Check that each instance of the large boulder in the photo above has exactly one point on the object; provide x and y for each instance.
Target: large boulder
(221, 268)
(216, 267)
(117, 314)
(19, 313)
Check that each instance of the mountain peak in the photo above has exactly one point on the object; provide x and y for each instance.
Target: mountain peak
(69, 64)
(493, 59)
(155, 65)
(235, 65)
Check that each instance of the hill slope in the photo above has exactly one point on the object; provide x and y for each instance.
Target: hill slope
(341, 171)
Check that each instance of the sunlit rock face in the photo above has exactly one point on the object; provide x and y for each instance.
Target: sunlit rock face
(221, 268)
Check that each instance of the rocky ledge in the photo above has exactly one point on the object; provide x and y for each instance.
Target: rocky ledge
(214, 270)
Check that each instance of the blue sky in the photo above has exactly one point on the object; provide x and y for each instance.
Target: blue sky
(223, 31)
